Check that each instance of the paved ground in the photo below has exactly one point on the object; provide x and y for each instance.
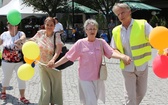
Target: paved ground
(156, 94)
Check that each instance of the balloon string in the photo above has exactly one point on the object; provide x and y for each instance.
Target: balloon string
(14, 31)
(14, 39)
(46, 65)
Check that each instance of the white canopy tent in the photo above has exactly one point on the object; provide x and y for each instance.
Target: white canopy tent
(4, 2)
(22, 8)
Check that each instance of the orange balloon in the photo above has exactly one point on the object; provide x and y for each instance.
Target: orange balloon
(160, 52)
(30, 61)
(37, 59)
(158, 38)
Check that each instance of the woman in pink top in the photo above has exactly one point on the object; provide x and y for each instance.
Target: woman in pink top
(89, 52)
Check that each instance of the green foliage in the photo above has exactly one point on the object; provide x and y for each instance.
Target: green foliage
(101, 21)
(66, 20)
(158, 21)
(154, 20)
(163, 22)
(103, 6)
(50, 6)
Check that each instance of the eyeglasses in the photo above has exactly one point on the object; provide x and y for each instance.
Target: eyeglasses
(92, 29)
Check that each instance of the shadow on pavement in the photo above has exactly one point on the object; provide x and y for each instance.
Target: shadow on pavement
(12, 100)
(8, 88)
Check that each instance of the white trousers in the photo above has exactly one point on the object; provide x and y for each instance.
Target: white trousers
(7, 69)
(135, 86)
(91, 91)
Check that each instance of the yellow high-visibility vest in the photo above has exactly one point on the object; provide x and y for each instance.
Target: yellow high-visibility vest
(140, 47)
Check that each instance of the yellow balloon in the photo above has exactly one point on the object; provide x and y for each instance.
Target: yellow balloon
(25, 72)
(31, 50)
(0, 55)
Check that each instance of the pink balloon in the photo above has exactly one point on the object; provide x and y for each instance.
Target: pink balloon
(160, 66)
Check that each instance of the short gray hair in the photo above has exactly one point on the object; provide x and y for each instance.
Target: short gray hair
(121, 5)
(90, 21)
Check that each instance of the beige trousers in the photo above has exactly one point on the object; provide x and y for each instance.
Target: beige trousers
(51, 86)
(135, 86)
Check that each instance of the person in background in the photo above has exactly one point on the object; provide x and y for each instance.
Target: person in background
(58, 26)
(59, 29)
(12, 58)
(111, 25)
(131, 38)
(51, 80)
(104, 36)
(89, 52)
(77, 35)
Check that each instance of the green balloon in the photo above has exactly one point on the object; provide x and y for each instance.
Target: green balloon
(14, 17)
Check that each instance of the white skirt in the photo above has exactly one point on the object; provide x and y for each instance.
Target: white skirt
(91, 91)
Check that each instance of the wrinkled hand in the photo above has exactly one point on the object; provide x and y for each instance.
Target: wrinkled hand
(127, 60)
(51, 64)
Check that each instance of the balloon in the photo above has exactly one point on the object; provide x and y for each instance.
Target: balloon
(0, 55)
(165, 53)
(160, 52)
(14, 17)
(158, 37)
(25, 72)
(31, 50)
(29, 61)
(160, 66)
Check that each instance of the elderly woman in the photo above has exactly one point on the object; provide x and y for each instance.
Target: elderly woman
(51, 80)
(12, 58)
(89, 52)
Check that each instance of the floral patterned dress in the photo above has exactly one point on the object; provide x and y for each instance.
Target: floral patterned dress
(46, 45)
(10, 52)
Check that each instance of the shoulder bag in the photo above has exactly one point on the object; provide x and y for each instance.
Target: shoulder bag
(103, 68)
(64, 51)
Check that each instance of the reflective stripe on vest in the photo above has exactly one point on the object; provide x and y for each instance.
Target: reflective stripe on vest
(140, 47)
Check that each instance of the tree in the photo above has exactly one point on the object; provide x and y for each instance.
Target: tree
(103, 6)
(50, 6)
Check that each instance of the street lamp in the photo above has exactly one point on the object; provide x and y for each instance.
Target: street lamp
(73, 13)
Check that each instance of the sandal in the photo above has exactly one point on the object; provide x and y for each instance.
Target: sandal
(24, 100)
(3, 96)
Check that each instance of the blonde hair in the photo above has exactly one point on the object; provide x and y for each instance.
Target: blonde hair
(121, 5)
(90, 21)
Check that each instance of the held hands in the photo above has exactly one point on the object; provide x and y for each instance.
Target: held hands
(51, 64)
(126, 59)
